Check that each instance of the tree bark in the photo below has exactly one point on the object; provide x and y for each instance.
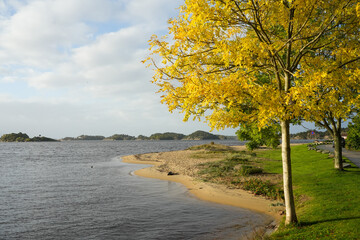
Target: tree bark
(338, 163)
(287, 174)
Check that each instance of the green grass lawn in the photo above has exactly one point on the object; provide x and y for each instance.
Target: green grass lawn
(327, 201)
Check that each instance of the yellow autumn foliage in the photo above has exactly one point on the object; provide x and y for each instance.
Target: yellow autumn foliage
(234, 61)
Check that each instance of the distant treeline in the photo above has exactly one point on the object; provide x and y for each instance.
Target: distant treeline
(198, 135)
(314, 134)
(310, 134)
(23, 137)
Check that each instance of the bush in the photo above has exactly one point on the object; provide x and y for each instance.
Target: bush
(247, 170)
(353, 138)
(269, 136)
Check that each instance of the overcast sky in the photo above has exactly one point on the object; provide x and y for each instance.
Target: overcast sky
(72, 67)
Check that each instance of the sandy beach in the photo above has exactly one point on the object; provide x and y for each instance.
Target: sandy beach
(184, 167)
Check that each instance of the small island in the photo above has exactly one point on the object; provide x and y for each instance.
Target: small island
(23, 137)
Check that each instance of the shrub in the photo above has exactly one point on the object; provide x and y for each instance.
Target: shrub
(247, 170)
(259, 187)
(353, 138)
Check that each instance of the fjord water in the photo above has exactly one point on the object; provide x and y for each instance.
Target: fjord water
(82, 190)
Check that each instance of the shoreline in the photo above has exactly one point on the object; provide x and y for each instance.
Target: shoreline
(177, 162)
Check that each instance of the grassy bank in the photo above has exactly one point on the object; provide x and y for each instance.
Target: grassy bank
(327, 201)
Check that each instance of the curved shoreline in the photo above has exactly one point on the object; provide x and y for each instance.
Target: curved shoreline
(202, 190)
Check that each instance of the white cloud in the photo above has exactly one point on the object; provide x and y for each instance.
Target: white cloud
(33, 36)
(109, 65)
(52, 39)
(111, 48)
(75, 67)
(42, 32)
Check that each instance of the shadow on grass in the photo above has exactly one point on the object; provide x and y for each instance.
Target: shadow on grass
(351, 170)
(304, 224)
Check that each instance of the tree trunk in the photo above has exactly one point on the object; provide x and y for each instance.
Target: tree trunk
(338, 163)
(335, 131)
(287, 175)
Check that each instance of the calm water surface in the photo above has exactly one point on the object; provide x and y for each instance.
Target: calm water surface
(51, 191)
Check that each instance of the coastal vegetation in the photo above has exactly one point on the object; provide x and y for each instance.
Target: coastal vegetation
(237, 169)
(240, 172)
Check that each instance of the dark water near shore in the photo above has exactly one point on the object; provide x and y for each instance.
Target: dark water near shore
(50, 191)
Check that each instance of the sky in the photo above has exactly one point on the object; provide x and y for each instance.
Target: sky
(73, 67)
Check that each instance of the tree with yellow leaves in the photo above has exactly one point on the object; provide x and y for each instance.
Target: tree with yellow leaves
(259, 61)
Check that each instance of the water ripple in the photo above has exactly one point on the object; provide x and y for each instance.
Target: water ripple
(50, 191)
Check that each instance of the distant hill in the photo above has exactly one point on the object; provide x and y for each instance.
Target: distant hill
(167, 136)
(87, 137)
(198, 135)
(201, 135)
(42, 139)
(83, 138)
(142, 137)
(117, 137)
